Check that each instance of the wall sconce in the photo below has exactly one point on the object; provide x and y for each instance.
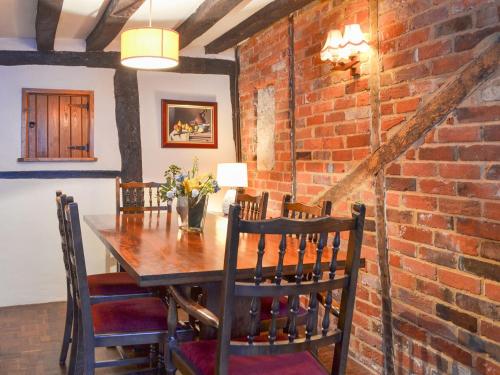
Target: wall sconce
(344, 50)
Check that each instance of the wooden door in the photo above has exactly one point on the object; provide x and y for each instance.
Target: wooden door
(57, 125)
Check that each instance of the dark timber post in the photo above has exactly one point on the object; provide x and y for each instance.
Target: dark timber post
(380, 209)
(291, 102)
(128, 124)
(235, 102)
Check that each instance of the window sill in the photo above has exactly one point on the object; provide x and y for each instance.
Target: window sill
(29, 160)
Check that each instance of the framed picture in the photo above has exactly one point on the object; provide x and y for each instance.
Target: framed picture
(188, 124)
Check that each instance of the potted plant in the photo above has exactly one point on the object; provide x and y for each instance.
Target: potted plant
(191, 190)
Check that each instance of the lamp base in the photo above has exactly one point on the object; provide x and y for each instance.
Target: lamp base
(229, 198)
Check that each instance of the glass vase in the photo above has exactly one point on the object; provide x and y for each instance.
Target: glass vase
(191, 213)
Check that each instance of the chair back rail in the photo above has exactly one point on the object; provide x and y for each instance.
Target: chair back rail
(279, 286)
(131, 197)
(253, 207)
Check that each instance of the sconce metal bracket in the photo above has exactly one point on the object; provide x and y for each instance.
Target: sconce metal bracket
(352, 64)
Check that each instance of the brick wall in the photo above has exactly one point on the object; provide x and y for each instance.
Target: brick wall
(442, 196)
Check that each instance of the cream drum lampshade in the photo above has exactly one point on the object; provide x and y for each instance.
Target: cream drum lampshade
(150, 48)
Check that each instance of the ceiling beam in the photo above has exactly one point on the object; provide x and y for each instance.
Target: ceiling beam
(255, 23)
(207, 15)
(111, 60)
(47, 18)
(115, 16)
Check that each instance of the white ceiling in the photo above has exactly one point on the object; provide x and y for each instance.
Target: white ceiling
(78, 18)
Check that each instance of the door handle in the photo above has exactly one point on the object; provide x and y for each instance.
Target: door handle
(81, 148)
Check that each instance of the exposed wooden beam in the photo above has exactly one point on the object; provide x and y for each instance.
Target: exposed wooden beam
(193, 65)
(207, 15)
(47, 18)
(291, 103)
(111, 23)
(128, 124)
(433, 112)
(255, 23)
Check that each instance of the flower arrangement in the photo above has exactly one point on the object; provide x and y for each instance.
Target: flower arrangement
(191, 191)
(187, 184)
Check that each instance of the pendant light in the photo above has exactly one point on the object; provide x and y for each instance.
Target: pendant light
(149, 47)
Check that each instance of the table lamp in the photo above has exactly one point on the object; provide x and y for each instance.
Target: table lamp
(232, 175)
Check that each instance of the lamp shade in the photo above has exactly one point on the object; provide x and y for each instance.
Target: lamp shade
(232, 174)
(150, 48)
(331, 49)
(354, 39)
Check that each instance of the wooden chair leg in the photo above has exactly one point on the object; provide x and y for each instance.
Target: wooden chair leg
(67, 328)
(75, 343)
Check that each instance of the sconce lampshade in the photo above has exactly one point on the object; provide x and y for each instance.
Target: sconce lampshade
(232, 174)
(150, 48)
(354, 39)
(338, 46)
(331, 49)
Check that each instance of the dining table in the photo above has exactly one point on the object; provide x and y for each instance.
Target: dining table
(156, 252)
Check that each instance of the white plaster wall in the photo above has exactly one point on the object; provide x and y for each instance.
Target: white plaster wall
(155, 86)
(31, 267)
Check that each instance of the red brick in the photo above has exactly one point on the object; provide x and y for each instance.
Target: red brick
(429, 17)
(452, 350)
(398, 59)
(410, 330)
(490, 250)
(437, 153)
(414, 299)
(403, 278)
(345, 129)
(492, 290)
(459, 134)
(406, 248)
(454, 25)
(479, 153)
(435, 49)
(393, 30)
(397, 216)
(395, 92)
(436, 326)
(359, 140)
(449, 63)
(411, 73)
(460, 171)
(409, 105)
(394, 169)
(419, 169)
(491, 133)
(315, 120)
(413, 38)
(386, 109)
(478, 228)
(440, 257)
(420, 202)
(456, 242)
(492, 210)
(342, 155)
(436, 290)
(487, 367)
(459, 280)
(478, 114)
(437, 187)
(435, 221)
(479, 190)
(343, 103)
(420, 268)
(460, 207)
(333, 143)
(492, 331)
(416, 234)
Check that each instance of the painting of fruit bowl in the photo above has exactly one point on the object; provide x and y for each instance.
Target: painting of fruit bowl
(189, 124)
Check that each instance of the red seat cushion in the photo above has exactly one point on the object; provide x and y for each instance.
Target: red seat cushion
(202, 354)
(133, 315)
(115, 283)
(265, 308)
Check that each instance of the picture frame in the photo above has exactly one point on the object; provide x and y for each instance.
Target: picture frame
(188, 124)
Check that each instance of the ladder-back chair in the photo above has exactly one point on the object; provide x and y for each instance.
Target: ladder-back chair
(135, 321)
(104, 287)
(278, 354)
(252, 207)
(131, 197)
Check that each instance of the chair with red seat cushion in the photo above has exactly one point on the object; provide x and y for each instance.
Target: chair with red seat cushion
(103, 287)
(290, 354)
(135, 321)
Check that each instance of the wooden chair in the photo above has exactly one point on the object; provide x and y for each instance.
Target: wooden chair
(131, 197)
(252, 207)
(137, 321)
(102, 287)
(276, 354)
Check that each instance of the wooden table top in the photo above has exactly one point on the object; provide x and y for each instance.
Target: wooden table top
(152, 249)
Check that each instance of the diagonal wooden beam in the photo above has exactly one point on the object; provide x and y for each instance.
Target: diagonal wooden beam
(47, 18)
(207, 15)
(255, 23)
(115, 16)
(432, 113)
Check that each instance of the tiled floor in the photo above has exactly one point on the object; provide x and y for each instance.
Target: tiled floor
(30, 339)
